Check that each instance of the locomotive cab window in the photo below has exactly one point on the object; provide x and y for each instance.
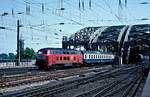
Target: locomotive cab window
(42, 52)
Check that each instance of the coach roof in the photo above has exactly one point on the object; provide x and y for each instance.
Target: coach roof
(96, 52)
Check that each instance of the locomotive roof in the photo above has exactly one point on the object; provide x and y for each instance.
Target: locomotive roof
(56, 49)
(91, 52)
(51, 48)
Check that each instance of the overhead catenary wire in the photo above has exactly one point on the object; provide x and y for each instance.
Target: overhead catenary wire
(111, 10)
(38, 6)
(48, 9)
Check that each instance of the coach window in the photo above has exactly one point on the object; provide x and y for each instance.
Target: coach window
(89, 56)
(85, 56)
(67, 52)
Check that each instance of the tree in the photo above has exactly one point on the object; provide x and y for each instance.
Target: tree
(11, 56)
(28, 53)
(3, 56)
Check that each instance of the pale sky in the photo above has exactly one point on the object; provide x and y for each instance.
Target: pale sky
(42, 29)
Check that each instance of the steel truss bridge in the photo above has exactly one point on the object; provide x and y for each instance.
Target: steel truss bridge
(117, 39)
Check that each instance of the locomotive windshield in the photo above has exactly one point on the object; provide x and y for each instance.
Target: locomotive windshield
(45, 52)
(42, 52)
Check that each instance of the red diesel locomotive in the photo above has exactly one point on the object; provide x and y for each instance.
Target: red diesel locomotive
(51, 57)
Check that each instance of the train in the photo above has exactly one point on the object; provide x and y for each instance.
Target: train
(47, 58)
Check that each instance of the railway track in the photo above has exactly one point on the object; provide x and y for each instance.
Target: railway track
(37, 76)
(53, 90)
(118, 90)
(16, 70)
(104, 88)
